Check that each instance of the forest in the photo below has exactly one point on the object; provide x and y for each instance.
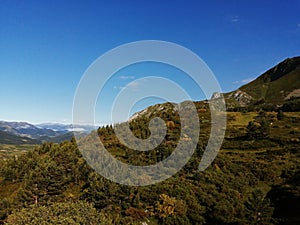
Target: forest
(255, 178)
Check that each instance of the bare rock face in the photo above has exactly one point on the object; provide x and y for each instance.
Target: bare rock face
(241, 97)
(294, 93)
(215, 95)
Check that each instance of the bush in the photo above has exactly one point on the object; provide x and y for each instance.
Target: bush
(58, 213)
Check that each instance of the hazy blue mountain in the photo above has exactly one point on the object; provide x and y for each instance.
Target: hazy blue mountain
(9, 138)
(23, 132)
(25, 129)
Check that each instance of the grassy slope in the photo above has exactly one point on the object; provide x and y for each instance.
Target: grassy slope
(266, 157)
(277, 83)
(9, 150)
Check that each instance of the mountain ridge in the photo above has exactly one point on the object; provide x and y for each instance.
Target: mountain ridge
(9, 138)
(275, 86)
(270, 90)
(24, 132)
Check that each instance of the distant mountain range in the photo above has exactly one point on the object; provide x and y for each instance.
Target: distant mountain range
(66, 127)
(9, 138)
(26, 133)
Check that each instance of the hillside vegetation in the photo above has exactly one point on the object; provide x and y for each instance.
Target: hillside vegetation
(270, 90)
(8, 138)
(253, 180)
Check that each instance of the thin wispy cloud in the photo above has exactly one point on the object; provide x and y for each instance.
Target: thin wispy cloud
(234, 19)
(133, 84)
(247, 80)
(244, 81)
(126, 77)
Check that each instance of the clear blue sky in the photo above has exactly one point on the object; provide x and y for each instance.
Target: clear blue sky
(45, 46)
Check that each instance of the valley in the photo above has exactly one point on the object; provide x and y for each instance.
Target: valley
(8, 151)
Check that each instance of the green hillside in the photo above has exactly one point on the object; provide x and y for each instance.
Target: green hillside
(253, 180)
(275, 86)
(8, 138)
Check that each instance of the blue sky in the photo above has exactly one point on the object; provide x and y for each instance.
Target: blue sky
(45, 46)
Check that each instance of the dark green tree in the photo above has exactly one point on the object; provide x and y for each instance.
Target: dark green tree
(259, 128)
(258, 208)
(280, 114)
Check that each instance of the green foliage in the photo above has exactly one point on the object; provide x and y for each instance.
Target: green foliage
(59, 213)
(293, 105)
(280, 115)
(5, 208)
(245, 182)
(259, 128)
(286, 197)
(270, 86)
(258, 208)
